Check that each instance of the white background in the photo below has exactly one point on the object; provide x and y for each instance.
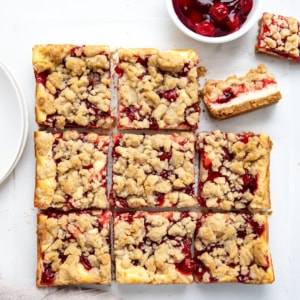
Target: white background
(145, 23)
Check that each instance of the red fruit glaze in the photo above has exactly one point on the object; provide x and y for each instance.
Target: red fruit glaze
(85, 262)
(41, 77)
(170, 95)
(48, 275)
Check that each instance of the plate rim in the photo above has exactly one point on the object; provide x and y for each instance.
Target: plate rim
(24, 114)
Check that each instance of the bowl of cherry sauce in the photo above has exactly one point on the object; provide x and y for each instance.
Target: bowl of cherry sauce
(214, 21)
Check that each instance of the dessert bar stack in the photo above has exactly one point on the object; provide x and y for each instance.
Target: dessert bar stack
(158, 222)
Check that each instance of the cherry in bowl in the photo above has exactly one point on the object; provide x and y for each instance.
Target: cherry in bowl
(214, 21)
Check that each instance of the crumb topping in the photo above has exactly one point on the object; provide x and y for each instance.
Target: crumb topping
(222, 91)
(153, 247)
(234, 170)
(280, 35)
(74, 248)
(153, 170)
(233, 247)
(71, 170)
(157, 89)
(73, 86)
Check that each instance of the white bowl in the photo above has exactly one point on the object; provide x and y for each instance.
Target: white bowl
(252, 19)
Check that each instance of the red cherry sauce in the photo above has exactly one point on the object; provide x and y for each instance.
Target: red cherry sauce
(94, 79)
(85, 262)
(170, 95)
(160, 199)
(77, 51)
(187, 266)
(131, 112)
(48, 275)
(41, 77)
(153, 124)
(213, 18)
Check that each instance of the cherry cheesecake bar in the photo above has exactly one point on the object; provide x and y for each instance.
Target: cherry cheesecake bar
(234, 171)
(154, 248)
(73, 248)
(71, 170)
(279, 36)
(236, 95)
(157, 90)
(233, 247)
(72, 86)
(153, 170)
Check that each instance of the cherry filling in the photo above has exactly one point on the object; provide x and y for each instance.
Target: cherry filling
(77, 51)
(62, 256)
(153, 124)
(250, 182)
(85, 262)
(170, 95)
(121, 202)
(119, 71)
(131, 112)
(213, 17)
(160, 198)
(41, 77)
(200, 270)
(94, 79)
(126, 217)
(143, 60)
(166, 174)
(48, 275)
(165, 155)
(228, 94)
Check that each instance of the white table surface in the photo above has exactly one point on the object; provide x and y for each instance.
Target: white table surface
(145, 23)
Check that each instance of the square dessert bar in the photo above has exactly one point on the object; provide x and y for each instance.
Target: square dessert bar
(233, 247)
(153, 248)
(73, 248)
(72, 86)
(153, 170)
(234, 171)
(236, 95)
(71, 170)
(279, 36)
(157, 90)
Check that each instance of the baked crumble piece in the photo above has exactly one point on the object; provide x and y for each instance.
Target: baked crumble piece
(153, 247)
(73, 248)
(234, 171)
(279, 36)
(153, 170)
(71, 170)
(236, 95)
(72, 86)
(233, 247)
(157, 90)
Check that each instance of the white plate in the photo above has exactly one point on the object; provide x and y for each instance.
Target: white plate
(13, 122)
